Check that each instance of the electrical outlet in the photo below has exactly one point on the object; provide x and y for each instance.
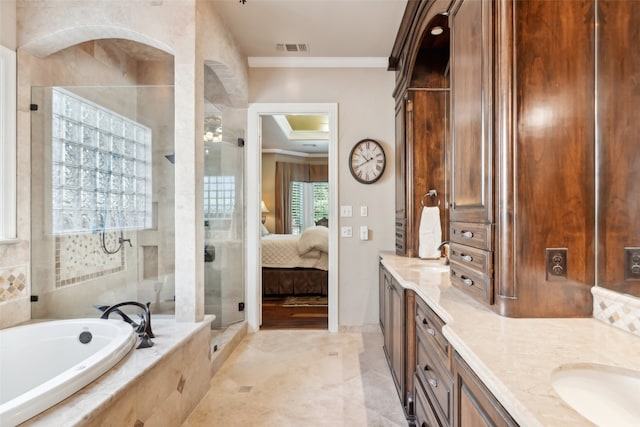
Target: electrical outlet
(631, 263)
(557, 263)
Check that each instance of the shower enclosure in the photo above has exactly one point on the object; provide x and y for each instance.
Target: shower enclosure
(224, 213)
(102, 198)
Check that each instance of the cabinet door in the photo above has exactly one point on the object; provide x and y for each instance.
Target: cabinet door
(397, 339)
(381, 295)
(387, 317)
(471, 119)
(474, 405)
(400, 178)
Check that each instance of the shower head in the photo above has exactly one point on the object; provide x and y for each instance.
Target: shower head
(171, 157)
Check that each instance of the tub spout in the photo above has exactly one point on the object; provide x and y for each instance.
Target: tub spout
(143, 328)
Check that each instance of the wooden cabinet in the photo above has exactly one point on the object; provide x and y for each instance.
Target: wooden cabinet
(519, 156)
(471, 193)
(420, 163)
(397, 316)
(433, 383)
(394, 329)
(422, 111)
(471, 92)
(474, 405)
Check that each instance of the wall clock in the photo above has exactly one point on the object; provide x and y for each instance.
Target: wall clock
(367, 161)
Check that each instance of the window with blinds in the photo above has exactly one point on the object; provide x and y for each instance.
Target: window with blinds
(309, 203)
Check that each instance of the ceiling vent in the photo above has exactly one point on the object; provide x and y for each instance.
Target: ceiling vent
(292, 47)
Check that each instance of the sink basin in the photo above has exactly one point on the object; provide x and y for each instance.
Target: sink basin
(605, 395)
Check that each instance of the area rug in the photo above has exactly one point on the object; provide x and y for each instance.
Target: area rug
(312, 301)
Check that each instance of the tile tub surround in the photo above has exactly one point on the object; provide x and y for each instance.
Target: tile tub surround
(153, 386)
(515, 357)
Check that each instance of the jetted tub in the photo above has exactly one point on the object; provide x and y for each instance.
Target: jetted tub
(43, 363)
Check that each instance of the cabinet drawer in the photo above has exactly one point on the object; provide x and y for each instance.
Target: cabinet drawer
(400, 233)
(473, 259)
(471, 234)
(436, 379)
(429, 326)
(477, 285)
(425, 414)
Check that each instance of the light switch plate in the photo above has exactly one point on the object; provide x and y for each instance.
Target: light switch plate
(364, 211)
(346, 211)
(346, 231)
(364, 232)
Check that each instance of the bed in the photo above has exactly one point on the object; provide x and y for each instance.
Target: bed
(296, 264)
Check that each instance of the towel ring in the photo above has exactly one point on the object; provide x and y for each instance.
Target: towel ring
(430, 193)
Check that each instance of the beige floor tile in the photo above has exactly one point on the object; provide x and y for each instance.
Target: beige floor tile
(302, 378)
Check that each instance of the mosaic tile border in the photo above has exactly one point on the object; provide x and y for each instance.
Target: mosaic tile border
(619, 310)
(94, 264)
(14, 282)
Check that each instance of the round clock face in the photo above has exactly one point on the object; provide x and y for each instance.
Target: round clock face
(367, 161)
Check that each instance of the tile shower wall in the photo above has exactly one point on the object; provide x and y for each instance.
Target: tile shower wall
(80, 257)
(71, 272)
(619, 310)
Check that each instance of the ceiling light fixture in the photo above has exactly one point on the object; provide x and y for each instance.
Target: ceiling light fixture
(436, 31)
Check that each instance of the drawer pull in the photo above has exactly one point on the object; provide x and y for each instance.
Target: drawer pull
(467, 234)
(433, 383)
(466, 281)
(430, 331)
(467, 258)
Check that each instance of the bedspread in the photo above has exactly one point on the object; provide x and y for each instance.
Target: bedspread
(281, 251)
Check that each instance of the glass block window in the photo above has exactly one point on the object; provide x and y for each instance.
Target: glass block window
(101, 168)
(219, 197)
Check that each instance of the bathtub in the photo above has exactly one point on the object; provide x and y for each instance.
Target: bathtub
(43, 363)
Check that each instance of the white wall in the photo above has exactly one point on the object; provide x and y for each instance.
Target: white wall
(365, 110)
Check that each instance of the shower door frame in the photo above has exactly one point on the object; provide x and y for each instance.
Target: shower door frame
(253, 180)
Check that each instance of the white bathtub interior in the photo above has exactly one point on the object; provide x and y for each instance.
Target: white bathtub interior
(43, 363)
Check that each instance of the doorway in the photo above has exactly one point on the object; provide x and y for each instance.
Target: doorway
(258, 113)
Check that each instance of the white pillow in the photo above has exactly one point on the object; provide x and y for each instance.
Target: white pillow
(314, 238)
(264, 231)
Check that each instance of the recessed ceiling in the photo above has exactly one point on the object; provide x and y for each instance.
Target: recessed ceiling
(328, 28)
(295, 134)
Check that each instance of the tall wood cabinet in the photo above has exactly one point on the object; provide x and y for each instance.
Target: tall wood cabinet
(422, 111)
(518, 157)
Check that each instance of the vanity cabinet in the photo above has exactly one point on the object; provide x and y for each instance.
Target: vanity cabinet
(473, 403)
(399, 338)
(519, 155)
(433, 383)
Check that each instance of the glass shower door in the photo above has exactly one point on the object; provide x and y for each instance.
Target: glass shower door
(224, 224)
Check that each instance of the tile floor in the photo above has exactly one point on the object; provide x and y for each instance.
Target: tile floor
(284, 378)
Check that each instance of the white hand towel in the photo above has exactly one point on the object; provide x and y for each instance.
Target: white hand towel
(430, 234)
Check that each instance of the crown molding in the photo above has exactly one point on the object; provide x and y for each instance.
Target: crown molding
(317, 62)
(292, 153)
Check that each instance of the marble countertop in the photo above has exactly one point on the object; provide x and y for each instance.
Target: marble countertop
(516, 357)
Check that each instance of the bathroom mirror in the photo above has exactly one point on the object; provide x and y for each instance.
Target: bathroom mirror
(618, 151)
